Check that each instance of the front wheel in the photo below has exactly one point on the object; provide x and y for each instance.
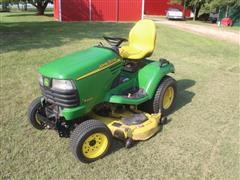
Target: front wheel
(91, 140)
(33, 114)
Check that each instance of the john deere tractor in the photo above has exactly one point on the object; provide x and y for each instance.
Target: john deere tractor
(106, 91)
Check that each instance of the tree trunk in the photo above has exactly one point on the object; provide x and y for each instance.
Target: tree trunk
(25, 6)
(194, 15)
(184, 9)
(196, 11)
(40, 10)
(40, 6)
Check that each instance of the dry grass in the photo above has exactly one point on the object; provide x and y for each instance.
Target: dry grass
(200, 142)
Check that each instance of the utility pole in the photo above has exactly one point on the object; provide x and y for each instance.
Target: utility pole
(226, 15)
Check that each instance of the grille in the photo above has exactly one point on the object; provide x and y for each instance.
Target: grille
(67, 98)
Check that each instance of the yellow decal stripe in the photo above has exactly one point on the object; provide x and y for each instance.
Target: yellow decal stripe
(99, 69)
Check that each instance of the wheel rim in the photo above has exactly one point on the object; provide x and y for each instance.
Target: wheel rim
(168, 97)
(37, 118)
(95, 145)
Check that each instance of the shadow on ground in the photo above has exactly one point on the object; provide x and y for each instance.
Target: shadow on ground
(25, 15)
(22, 36)
(183, 95)
(118, 144)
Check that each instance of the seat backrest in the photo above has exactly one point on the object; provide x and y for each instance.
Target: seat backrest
(143, 36)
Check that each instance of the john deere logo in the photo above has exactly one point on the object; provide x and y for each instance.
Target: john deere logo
(46, 82)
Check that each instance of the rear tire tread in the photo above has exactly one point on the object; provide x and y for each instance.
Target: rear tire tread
(167, 81)
(153, 105)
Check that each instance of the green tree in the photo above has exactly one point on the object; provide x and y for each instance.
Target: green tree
(218, 5)
(40, 5)
(195, 5)
(5, 5)
(223, 3)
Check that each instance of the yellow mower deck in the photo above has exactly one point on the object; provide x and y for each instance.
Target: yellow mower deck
(122, 130)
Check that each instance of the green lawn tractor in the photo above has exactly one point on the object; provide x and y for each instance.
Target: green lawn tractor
(106, 91)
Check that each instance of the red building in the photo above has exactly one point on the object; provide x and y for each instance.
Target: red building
(98, 10)
(108, 10)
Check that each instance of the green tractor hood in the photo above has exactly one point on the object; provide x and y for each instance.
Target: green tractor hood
(77, 64)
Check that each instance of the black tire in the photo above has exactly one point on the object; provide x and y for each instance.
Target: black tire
(86, 130)
(33, 118)
(156, 103)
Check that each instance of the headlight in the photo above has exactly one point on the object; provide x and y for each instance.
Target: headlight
(62, 84)
(40, 79)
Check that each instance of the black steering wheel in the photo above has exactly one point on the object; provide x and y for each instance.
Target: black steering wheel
(114, 41)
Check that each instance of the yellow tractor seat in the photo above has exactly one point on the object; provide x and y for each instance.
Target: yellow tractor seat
(141, 41)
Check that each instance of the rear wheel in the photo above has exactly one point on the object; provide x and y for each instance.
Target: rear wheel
(33, 114)
(90, 141)
(164, 97)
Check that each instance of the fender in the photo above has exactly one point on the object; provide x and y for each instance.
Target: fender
(151, 75)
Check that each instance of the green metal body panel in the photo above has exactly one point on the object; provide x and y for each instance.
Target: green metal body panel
(146, 78)
(73, 113)
(150, 76)
(79, 63)
(93, 72)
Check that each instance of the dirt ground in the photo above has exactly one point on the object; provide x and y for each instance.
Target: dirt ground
(211, 31)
